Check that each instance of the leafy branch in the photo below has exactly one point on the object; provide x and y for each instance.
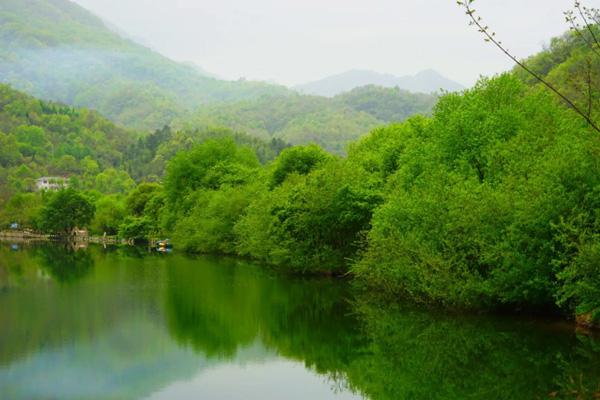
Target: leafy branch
(490, 36)
(590, 13)
(585, 14)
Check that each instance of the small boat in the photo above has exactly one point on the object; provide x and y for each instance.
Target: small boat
(163, 246)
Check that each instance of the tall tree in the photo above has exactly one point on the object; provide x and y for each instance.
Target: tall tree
(65, 211)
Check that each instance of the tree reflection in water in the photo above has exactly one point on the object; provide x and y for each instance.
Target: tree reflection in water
(157, 320)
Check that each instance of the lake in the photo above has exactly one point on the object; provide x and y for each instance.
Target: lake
(125, 323)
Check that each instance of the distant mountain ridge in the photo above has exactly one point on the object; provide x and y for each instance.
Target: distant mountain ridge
(427, 81)
(330, 122)
(57, 50)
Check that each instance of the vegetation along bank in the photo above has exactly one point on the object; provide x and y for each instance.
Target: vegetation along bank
(492, 202)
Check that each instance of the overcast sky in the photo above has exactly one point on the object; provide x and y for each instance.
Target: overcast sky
(296, 41)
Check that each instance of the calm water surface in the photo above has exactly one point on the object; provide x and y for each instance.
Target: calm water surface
(126, 324)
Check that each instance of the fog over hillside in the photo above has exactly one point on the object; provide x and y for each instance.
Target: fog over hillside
(60, 51)
(427, 81)
(297, 41)
(57, 50)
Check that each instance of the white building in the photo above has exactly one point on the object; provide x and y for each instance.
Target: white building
(51, 183)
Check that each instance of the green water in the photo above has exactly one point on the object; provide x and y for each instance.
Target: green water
(126, 324)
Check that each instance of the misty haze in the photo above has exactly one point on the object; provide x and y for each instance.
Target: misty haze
(299, 199)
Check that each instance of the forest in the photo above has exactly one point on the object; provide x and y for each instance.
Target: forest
(332, 123)
(56, 50)
(488, 199)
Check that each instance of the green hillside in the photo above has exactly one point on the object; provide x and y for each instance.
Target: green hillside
(572, 67)
(332, 123)
(490, 203)
(56, 50)
(40, 138)
(387, 104)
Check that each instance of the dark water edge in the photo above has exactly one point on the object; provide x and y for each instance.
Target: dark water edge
(122, 322)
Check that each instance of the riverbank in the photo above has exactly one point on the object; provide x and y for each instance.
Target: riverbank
(30, 236)
(584, 324)
(23, 236)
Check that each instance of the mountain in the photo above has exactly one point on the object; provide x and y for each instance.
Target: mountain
(40, 138)
(387, 104)
(330, 122)
(428, 81)
(57, 50)
(200, 70)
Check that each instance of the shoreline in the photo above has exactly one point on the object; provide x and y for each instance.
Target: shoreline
(581, 323)
(25, 236)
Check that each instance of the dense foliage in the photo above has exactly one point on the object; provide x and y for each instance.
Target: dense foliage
(491, 202)
(330, 122)
(65, 211)
(104, 162)
(572, 67)
(47, 139)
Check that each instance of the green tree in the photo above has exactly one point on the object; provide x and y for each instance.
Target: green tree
(23, 208)
(136, 228)
(208, 166)
(66, 210)
(33, 141)
(109, 215)
(113, 181)
(138, 198)
(297, 160)
(209, 226)
(311, 223)
(9, 150)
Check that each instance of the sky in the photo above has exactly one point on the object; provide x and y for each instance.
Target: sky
(297, 41)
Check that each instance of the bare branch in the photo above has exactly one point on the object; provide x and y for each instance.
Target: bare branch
(589, 86)
(490, 36)
(572, 20)
(594, 15)
(587, 24)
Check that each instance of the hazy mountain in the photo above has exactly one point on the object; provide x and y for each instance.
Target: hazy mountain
(56, 50)
(428, 81)
(330, 122)
(387, 104)
(199, 69)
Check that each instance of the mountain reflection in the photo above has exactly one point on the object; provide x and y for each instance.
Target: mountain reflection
(106, 323)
